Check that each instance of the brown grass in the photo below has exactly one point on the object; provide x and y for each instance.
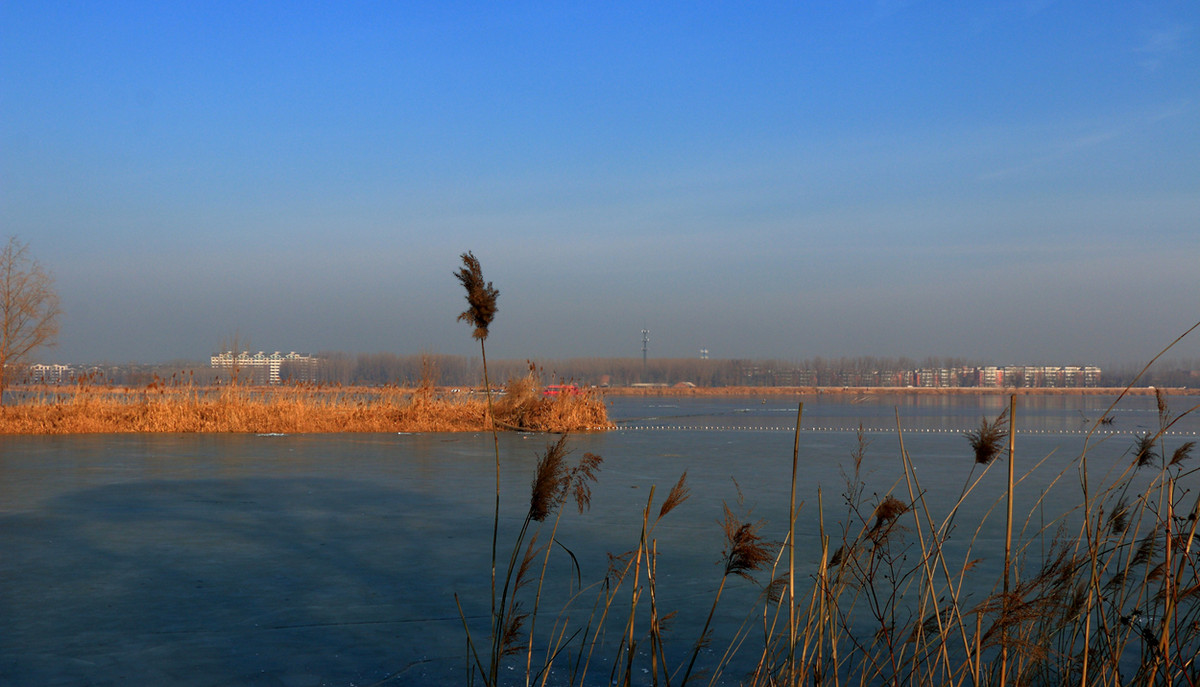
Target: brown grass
(163, 407)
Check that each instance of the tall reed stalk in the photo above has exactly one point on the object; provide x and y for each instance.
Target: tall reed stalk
(791, 544)
(481, 310)
(1008, 525)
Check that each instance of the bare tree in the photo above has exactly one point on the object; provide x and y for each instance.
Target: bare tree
(28, 309)
(236, 345)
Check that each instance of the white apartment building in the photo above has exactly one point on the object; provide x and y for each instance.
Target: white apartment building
(263, 368)
(50, 374)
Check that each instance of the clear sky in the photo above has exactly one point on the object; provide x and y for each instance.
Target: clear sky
(1016, 182)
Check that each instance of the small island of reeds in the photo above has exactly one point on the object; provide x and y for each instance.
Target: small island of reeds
(178, 406)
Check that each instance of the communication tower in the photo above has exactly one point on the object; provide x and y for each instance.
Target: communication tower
(645, 344)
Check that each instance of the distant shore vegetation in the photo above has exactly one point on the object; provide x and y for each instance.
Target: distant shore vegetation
(390, 369)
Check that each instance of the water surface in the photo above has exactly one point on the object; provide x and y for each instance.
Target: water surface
(335, 559)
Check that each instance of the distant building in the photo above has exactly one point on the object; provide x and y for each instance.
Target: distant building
(50, 374)
(1050, 376)
(991, 376)
(261, 368)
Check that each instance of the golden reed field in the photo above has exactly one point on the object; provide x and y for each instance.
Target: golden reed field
(164, 407)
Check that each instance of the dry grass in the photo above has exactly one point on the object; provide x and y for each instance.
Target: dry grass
(166, 407)
(524, 406)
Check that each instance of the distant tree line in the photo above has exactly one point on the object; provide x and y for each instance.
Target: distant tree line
(1164, 373)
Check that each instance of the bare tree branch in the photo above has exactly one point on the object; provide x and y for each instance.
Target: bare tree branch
(28, 310)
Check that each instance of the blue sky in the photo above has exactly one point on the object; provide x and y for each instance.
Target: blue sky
(1016, 182)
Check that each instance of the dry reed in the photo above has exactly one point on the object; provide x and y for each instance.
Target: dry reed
(182, 408)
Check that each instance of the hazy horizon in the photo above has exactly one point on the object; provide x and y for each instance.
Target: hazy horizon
(1168, 361)
(1017, 183)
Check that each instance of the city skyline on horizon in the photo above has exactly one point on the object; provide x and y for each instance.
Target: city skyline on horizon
(277, 368)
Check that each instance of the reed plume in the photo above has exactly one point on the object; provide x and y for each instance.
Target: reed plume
(887, 511)
(481, 296)
(1182, 453)
(678, 494)
(550, 481)
(584, 473)
(553, 480)
(745, 551)
(1144, 451)
(515, 617)
(1118, 519)
(987, 439)
(1164, 413)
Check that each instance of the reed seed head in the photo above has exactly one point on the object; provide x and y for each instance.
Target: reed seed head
(553, 480)
(584, 473)
(930, 625)
(986, 441)
(1117, 581)
(1118, 519)
(836, 559)
(523, 577)
(510, 641)
(550, 481)
(679, 493)
(618, 565)
(1157, 572)
(481, 297)
(665, 621)
(1144, 450)
(887, 511)
(1144, 551)
(778, 588)
(1182, 453)
(745, 551)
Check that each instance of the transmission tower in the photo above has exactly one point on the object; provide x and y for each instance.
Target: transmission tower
(645, 344)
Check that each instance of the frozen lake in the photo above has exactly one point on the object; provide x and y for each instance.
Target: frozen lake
(334, 559)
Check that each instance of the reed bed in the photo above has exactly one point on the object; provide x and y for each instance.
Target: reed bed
(1102, 588)
(164, 406)
(1106, 592)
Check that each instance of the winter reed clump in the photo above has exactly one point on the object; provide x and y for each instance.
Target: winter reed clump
(525, 406)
